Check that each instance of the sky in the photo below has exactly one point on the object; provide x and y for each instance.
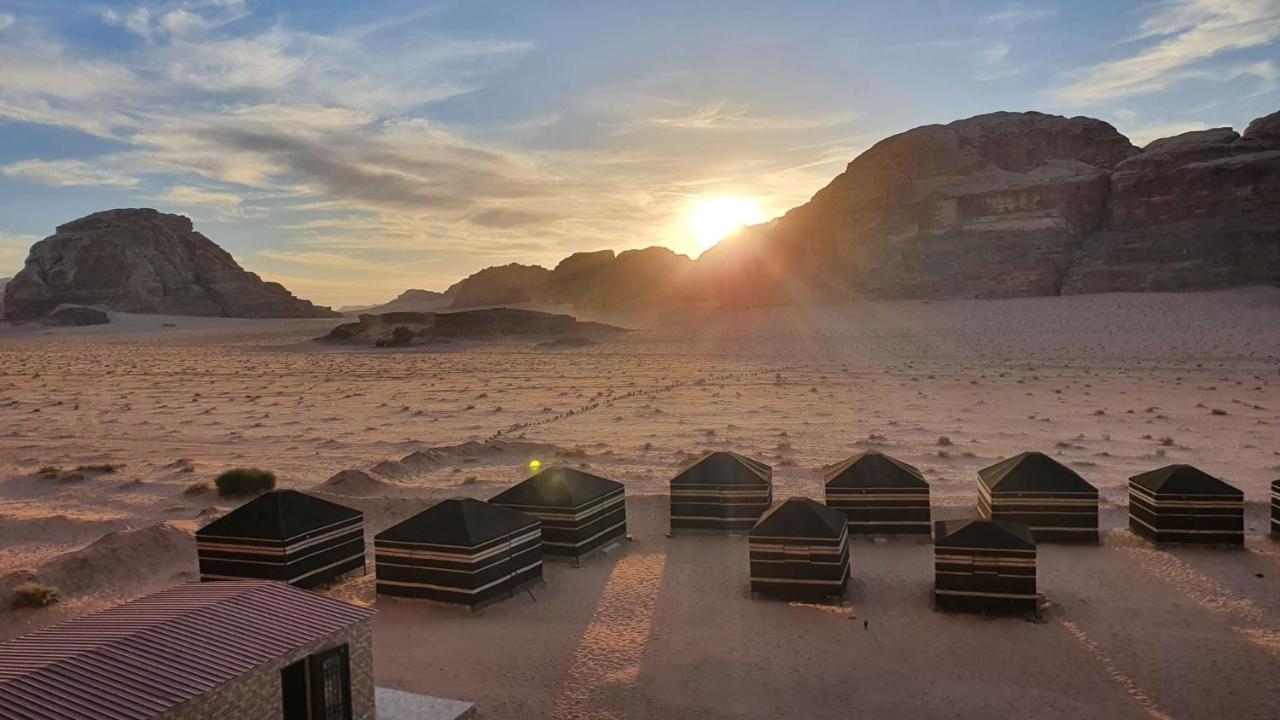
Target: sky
(354, 150)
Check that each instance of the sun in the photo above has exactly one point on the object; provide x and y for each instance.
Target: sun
(712, 219)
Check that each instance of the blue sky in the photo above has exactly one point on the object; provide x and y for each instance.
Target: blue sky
(352, 150)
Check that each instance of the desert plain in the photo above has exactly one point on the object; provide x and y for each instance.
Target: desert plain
(111, 435)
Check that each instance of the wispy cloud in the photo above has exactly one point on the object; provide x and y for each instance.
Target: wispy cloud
(994, 62)
(1015, 15)
(331, 138)
(1176, 38)
(66, 173)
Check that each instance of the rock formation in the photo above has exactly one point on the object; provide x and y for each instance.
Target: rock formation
(1199, 210)
(397, 329)
(144, 261)
(998, 205)
(501, 285)
(407, 301)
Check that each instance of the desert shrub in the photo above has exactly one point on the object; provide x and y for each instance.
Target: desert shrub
(49, 471)
(34, 594)
(197, 488)
(944, 441)
(102, 468)
(245, 481)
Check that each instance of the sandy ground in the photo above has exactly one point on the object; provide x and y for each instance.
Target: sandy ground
(1113, 385)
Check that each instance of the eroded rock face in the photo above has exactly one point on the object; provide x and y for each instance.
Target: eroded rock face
(144, 261)
(995, 205)
(1195, 211)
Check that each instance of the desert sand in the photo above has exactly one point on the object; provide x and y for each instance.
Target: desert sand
(664, 627)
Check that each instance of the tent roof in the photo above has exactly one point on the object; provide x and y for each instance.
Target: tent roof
(873, 469)
(979, 533)
(724, 468)
(1033, 472)
(558, 487)
(1183, 480)
(800, 517)
(278, 515)
(461, 522)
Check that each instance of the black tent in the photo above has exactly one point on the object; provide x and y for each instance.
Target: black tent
(878, 494)
(579, 511)
(1275, 508)
(984, 565)
(283, 535)
(1050, 498)
(720, 491)
(799, 550)
(1182, 504)
(462, 551)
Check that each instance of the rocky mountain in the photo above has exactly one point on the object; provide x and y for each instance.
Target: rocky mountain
(501, 285)
(406, 328)
(1004, 204)
(144, 261)
(598, 280)
(3, 283)
(407, 301)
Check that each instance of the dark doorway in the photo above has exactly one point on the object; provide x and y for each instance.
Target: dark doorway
(294, 681)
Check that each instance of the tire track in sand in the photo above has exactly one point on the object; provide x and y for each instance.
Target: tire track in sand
(1130, 686)
(607, 659)
(648, 393)
(1246, 618)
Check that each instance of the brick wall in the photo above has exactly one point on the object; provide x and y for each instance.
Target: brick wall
(256, 695)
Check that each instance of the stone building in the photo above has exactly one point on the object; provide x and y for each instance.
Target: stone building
(251, 650)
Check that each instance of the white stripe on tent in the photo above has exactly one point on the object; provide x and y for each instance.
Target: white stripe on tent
(584, 542)
(1016, 596)
(465, 591)
(1180, 531)
(290, 581)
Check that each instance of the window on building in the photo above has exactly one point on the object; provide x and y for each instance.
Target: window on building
(318, 687)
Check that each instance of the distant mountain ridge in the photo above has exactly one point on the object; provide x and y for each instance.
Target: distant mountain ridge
(407, 301)
(997, 205)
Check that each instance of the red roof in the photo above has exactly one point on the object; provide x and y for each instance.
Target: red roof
(142, 658)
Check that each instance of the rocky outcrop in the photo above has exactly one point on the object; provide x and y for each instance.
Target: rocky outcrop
(74, 316)
(597, 280)
(144, 261)
(995, 205)
(398, 329)
(1195, 211)
(501, 285)
(1004, 204)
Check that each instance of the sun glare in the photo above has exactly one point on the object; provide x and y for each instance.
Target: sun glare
(712, 219)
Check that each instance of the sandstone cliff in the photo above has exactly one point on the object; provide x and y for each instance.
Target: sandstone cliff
(143, 261)
(1004, 204)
